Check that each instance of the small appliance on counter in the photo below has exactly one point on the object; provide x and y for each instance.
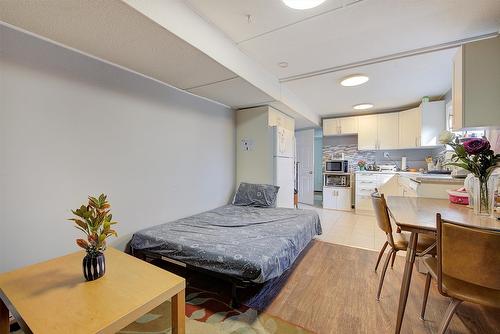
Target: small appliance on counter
(337, 180)
(387, 168)
(339, 166)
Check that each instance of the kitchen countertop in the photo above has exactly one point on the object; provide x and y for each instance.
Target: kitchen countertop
(421, 177)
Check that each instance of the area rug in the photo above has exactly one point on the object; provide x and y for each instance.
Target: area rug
(207, 312)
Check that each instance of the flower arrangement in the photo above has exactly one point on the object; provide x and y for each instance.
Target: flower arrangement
(95, 220)
(476, 156)
(361, 164)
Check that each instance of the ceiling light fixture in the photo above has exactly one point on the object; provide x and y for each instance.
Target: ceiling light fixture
(283, 64)
(354, 80)
(363, 106)
(303, 4)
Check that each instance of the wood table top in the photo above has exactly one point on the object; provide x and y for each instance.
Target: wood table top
(53, 296)
(419, 213)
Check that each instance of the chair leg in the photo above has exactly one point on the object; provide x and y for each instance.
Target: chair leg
(426, 295)
(393, 258)
(380, 254)
(448, 315)
(382, 276)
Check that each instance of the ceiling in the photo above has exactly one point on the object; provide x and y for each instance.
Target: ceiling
(113, 31)
(392, 85)
(343, 32)
(228, 50)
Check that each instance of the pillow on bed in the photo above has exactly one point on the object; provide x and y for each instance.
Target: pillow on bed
(258, 195)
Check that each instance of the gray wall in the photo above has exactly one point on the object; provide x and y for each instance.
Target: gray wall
(71, 126)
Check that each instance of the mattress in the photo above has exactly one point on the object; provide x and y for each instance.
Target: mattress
(246, 243)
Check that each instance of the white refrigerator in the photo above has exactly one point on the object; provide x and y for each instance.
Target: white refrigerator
(284, 165)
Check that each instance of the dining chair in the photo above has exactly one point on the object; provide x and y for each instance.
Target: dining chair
(396, 241)
(467, 267)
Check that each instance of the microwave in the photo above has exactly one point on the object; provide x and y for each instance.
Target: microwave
(340, 166)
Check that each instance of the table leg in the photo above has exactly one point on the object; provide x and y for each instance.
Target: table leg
(405, 284)
(179, 313)
(4, 318)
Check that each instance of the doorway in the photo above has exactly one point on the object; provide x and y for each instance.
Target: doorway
(305, 165)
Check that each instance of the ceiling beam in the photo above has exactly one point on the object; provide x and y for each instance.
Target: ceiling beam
(394, 56)
(176, 17)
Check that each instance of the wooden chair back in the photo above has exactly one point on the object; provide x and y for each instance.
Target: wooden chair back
(470, 254)
(382, 215)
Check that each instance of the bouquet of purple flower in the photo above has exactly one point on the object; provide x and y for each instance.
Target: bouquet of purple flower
(476, 156)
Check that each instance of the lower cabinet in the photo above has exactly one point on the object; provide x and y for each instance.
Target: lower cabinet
(337, 198)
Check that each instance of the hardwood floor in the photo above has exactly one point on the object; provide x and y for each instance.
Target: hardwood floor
(332, 290)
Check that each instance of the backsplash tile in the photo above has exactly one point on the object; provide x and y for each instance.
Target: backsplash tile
(333, 147)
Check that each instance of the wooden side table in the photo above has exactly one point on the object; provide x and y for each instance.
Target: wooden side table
(53, 296)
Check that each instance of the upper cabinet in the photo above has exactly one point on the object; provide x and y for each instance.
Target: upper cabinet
(388, 134)
(367, 132)
(432, 122)
(409, 128)
(418, 127)
(277, 118)
(340, 126)
(475, 87)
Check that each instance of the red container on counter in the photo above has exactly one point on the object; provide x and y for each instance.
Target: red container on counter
(458, 197)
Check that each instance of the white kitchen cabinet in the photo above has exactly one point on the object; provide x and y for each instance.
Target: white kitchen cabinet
(409, 128)
(330, 127)
(476, 78)
(340, 126)
(348, 125)
(432, 122)
(277, 118)
(421, 126)
(387, 130)
(367, 132)
(337, 198)
(366, 183)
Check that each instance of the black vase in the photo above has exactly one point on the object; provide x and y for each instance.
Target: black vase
(94, 266)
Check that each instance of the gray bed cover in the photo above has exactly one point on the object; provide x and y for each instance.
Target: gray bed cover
(247, 243)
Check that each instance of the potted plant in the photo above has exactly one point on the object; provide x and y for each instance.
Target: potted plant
(474, 155)
(95, 220)
(362, 164)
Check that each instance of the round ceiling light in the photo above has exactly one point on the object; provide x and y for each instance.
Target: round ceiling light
(363, 106)
(303, 4)
(354, 80)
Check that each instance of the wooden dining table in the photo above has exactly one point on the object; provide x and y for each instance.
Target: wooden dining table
(418, 215)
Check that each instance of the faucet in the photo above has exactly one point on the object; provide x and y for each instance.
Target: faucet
(387, 156)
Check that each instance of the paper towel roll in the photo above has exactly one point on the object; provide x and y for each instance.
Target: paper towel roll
(403, 163)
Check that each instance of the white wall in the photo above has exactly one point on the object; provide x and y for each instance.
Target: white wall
(71, 126)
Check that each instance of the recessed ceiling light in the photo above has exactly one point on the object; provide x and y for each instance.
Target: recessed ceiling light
(303, 4)
(363, 106)
(283, 64)
(354, 80)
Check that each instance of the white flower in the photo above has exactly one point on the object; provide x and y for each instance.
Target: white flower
(446, 136)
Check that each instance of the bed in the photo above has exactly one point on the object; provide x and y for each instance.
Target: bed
(244, 243)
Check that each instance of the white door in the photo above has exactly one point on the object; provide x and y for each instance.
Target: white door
(305, 159)
(388, 132)
(367, 132)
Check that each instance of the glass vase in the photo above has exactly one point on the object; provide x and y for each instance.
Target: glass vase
(482, 198)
